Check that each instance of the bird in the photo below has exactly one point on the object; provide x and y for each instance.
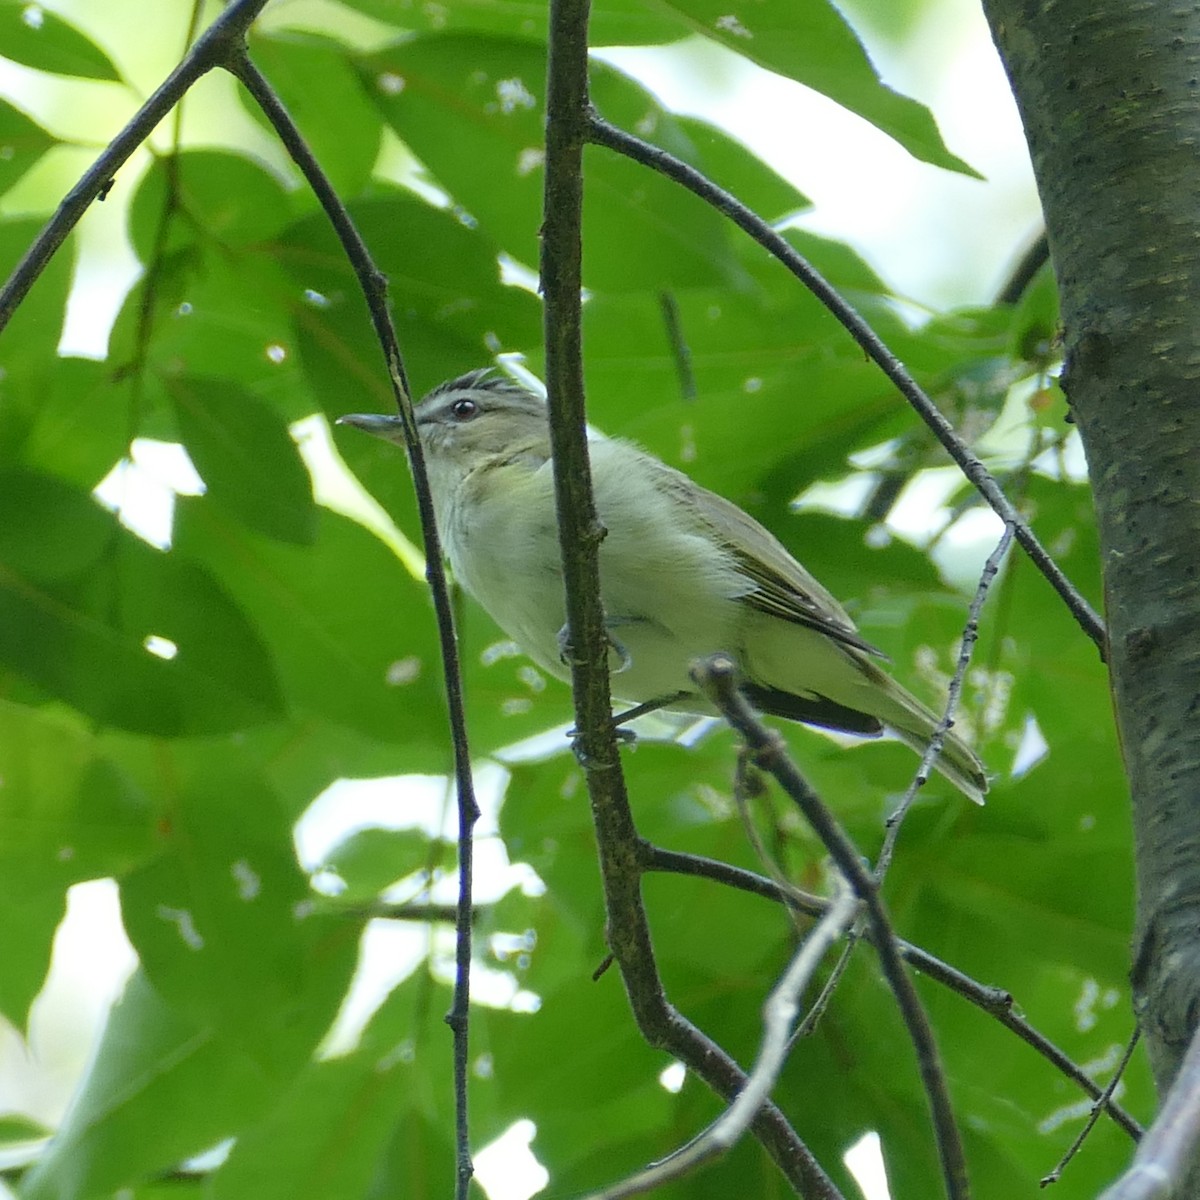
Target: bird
(684, 574)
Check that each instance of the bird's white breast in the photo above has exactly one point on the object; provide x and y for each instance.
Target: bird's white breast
(669, 593)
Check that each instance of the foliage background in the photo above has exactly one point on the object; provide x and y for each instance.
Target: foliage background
(305, 649)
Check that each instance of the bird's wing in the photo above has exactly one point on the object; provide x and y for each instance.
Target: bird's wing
(781, 586)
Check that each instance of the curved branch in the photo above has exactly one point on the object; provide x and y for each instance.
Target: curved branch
(212, 48)
(1028, 265)
(374, 288)
(994, 1001)
(604, 134)
(717, 677)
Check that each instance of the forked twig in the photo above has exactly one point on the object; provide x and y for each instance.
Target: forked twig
(779, 1012)
(717, 676)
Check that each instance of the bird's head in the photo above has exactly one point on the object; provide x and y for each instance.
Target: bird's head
(462, 422)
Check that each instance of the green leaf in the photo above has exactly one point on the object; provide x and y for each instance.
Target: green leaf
(731, 165)
(471, 109)
(207, 194)
(76, 621)
(162, 1087)
(224, 924)
(246, 457)
(17, 1128)
(353, 640)
(611, 22)
(371, 859)
(22, 142)
(73, 422)
(341, 128)
(36, 37)
(29, 348)
(363, 1124)
(446, 321)
(812, 43)
(67, 813)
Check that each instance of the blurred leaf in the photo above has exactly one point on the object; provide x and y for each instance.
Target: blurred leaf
(357, 1125)
(341, 128)
(161, 1088)
(812, 43)
(67, 813)
(212, 193)
(36, 37)
(30, 344)
(223, 923)
(447, 322)
(353, 642)
(731, 165)
(611, 22)
(22, 142)
(246, 457)
(471, 109)
(17, 1128)
(79, 623)
(76, 426)
(369, 860)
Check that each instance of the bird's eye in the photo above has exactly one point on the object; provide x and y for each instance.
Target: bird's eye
(464, 410)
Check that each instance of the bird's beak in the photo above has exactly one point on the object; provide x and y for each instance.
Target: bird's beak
(374, 423)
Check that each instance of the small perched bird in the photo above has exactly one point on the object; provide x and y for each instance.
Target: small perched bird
(683, 573)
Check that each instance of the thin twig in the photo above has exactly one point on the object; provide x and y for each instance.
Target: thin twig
(211, 48)
(681, 352)
(1167, 1154)
(996, 1002)
(779, 1012)
(374, 288)
(970, 635)
(717, 677)
(1094, 1115)
(604, 134)
(1028, 265)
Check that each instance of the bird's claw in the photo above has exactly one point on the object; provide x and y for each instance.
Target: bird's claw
(625, 736)
(566, 651)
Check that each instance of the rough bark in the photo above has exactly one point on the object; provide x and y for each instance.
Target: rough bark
(1109, 91)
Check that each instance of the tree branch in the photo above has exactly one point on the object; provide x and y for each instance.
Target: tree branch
(604, 134)
(994, 1001)
(779, 1013)
(374, 288)
(580, 533)
(717, 677)
(1167, 1153)
(212, 48)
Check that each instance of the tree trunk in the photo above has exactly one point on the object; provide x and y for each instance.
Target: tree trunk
(1109, 91)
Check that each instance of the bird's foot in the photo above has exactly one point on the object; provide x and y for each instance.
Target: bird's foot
(566, 651)
(627, 736)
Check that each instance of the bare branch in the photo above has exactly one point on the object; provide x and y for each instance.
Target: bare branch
(970, 636)
(604, 134)
(1027, 266)
(374, 288)
(579, 534)
(212, 48)
(1168, 1151)
(779, 1013)
(717, 677)
(996, 1002)
(1098, 1107)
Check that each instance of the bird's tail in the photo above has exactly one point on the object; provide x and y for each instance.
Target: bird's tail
(914, 724)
